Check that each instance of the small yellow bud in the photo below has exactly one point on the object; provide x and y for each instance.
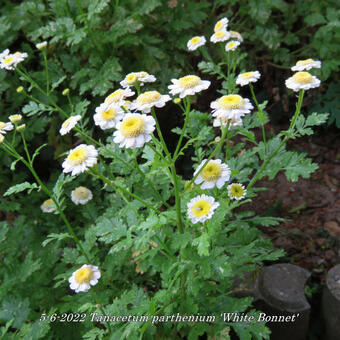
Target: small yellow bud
(41, 45)
(20, 89)
(186, 185)
(177, 100)
(2, 138)
(21, 127)
(15, 118)
(66, 92)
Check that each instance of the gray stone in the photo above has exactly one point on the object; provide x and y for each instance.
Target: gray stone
(281, 291)
(331, 304)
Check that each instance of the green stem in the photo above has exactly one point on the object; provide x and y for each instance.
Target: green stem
(46, 70)
(258, 173)
(100, 308)
(259, 110)
(227, 146)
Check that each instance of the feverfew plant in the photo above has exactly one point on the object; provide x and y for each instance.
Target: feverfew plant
(136, 239)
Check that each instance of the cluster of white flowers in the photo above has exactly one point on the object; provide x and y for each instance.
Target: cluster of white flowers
(8, 61)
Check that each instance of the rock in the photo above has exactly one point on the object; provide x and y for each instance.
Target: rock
(331, 304)
(281, 290)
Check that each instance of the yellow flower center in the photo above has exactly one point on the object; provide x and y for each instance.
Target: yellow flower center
(304, 62)
(231, 101)
(115, 96)
(148, 97)
(189, 81)
(8, 60)
(132, 126)
(219, 34)
(16, 118)
(17, 54)
(218, 26)
(131, 78)
(78, 156)
(142, 74)
(195, 40)
(81, 193)
(67, 123)
(2, 125)
(236, 190)
(302, 77)
(211, 172)
(110, 114)
(231, 45)
(247, 75)
(201, 208)
(83, 275)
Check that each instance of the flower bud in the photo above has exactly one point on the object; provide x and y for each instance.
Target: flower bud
(41, 46)
(15, 118)
(21, 127)
(2, 138)
(66, 92)
(177, 100)
(20, 89)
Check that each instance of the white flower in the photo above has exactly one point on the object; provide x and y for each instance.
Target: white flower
(231, 106)
(41, 46)
(221, 24)
(108, 115)
(201, 208)
(15, 118)
(69, 124)
(236, 35)
(232, 45)
(220, 36)
(118, 96)
(302, 81)
(4, 127)
(48, 206)
(144, 77)
(79, 159)
(188, 86)
(221, 120)
(83, 278)
(81, 195)
(129, 80)
(7, 61)
(134, 131)
(236, 191)
(248, 77)
(306, 64)
(195, 43)
(149, 99)
(215, 173)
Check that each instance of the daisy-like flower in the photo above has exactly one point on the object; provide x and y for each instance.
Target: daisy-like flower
(145, 77)
(48, 206)
(107, 116)
(220, 36)
(80, 159)
(196, 42)
(83, 278)
(118, 96)
(236, 35)
(248, 77)
(221, 25)
(149, 99)
(231, 106)
(41, 46)
(221, 120)
(306, 64)
(4, 127)
(134, 131)
(232, 45)
(69, 124)
(236, 191)
(129, 80)
(215, 173)
(302, 81)
(81, 195)
(15, 118)
(201, 208)
(188, 86)
(9, 61)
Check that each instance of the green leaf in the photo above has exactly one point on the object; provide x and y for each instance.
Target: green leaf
(32, 108)
(203, 244)
(297, 165)
(315, 19)
(15, 308)
(21, 187)
(56, 237)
